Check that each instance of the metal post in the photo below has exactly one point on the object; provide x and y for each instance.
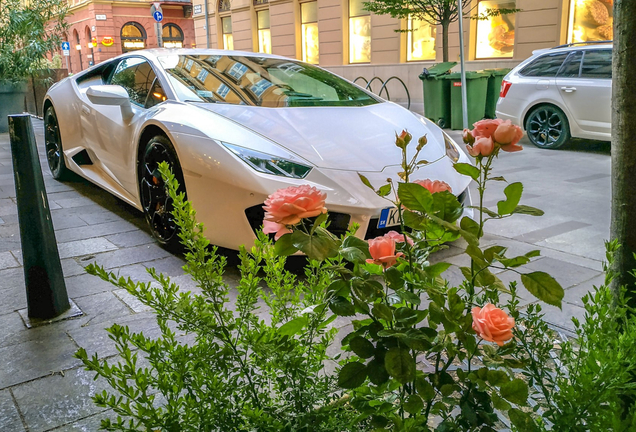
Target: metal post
(460, 10)
(207, 24)
(45, 287)
(159, 30)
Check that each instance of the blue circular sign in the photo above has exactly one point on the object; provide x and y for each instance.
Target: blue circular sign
(158, 16)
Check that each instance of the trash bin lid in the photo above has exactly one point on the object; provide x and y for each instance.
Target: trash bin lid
(456, 76)
(497, 72)
(438, 69)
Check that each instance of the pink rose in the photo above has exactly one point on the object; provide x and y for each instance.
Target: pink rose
(434, 186)
(288, 206)
(483, 147)
(399, 238)
(507, 136)
(382, 250)
(492, 324)
(468, 137)
(403, 139)
(485, 128)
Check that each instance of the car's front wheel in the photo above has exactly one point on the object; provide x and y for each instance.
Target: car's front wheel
(547, 127)
(53, 144)
(155, 201)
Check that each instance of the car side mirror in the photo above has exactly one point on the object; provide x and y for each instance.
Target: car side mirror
(113, 95)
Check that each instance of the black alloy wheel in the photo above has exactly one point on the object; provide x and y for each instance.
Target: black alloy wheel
(53, 145)
(155, 201)
(547, 127)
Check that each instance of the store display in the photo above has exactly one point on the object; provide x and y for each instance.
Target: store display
(591, 20)
(495, 35)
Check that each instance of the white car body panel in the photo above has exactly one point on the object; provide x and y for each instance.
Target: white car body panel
(338, 142)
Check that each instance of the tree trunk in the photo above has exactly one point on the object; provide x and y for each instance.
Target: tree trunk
(445, 25)
(623, 225)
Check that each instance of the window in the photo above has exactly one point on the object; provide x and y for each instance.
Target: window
(264, 35)
(572, 66)
(359, 32)
(309, 29)
(544, 66)
(172, 36)
(137, 77)
(597, 64)
(133, 37)
(590, 20)
(156, 96)
(226, 27)
(495, 35)
(420, 40)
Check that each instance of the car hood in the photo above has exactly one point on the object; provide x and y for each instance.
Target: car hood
(342, 138)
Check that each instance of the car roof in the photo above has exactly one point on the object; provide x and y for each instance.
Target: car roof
(160, 52)
(575, 47)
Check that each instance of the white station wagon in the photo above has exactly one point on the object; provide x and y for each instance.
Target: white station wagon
(560, 93)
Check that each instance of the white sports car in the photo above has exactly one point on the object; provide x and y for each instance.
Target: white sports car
(235, 127)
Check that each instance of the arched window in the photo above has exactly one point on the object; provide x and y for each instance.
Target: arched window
(78, 48)
(133, 37)
(172, 36)
(224, 5)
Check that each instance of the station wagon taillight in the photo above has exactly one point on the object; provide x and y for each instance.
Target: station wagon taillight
(505, 86)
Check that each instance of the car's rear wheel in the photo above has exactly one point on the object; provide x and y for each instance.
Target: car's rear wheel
(547, 127)
(155, 201)
(53, 145)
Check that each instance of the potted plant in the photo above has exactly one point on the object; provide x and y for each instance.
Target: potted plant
(28, 32)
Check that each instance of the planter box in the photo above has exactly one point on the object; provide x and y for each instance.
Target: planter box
(37, 89)
(12, 101)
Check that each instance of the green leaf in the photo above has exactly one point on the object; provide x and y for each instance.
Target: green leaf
(413, 404)
(382, 311)
(377, 372)
(436, 269)
(409, 297)
(415, 197)
(489, 212)
(446, 206)
(534, 253)
(318, 246)
(319, 221)
(514, 262)
(469, 225)
(294, 326)
(513, 195)
(366, 181)
(424, 388)
(497, 377)
(544, 287)
(499, 403)
(352, 375)
(384, 190)
(516, 391)
(407, 316)
(394, 278)
(367, 290)
(467, 170)
(522, 421)
(527, 210)
(338, 288)
(400, 364)
(353, 241)
(489, 254)
(414, 220)
(284, 246)
(341, 306)
(498, 178)
(362, 347)
(353, 255)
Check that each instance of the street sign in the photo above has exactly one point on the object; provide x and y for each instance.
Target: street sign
(158, 16)
(100, 17)
(66, 48)
(197, 9)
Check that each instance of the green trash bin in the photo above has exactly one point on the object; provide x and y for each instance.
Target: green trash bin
(437, 93)
(494, 88)
(476, 89)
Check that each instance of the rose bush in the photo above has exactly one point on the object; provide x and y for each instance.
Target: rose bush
(382, 250)
(492, 324)
(289, 206)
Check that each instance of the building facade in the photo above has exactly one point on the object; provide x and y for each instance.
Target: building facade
(344, 38)
(100, 30)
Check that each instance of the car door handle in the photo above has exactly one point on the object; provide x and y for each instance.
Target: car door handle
(568, 89)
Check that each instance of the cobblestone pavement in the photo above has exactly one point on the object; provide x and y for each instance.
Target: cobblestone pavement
(43, 388)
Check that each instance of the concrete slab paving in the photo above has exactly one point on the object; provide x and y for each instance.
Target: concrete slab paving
(570, 185)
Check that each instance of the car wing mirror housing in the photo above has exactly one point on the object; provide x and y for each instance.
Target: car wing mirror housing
(113, 95)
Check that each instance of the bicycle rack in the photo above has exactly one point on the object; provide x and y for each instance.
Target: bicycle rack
(384, 87)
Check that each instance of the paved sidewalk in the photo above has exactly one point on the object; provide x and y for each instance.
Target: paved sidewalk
(43, 388)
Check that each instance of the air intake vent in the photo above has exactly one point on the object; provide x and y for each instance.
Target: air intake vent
(82, 158)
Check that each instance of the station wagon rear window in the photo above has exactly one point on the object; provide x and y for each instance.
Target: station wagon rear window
(259, 81)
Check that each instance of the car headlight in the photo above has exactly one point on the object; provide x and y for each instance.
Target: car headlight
(268, 164)
(451, 147)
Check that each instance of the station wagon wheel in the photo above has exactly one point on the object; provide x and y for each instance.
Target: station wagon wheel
(547, 127)
(156, 203)
(53, 145)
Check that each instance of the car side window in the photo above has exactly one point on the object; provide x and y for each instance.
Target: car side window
(572, 66)
(597, 64)
(156, 95)
(137, 77)
(545, 66)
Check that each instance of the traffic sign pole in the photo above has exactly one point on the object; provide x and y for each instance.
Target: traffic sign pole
(157, 14)
(66, 51)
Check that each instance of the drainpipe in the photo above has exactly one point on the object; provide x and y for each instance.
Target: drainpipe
(207, 22)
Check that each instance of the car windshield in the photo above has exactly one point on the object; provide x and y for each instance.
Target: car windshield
(259, 81)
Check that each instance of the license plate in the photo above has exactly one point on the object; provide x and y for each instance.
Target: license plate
(389, 217)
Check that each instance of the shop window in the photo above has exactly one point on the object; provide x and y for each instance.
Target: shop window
(309, 28)
(133, 37)
(226, 26)
(172, 36)
(420, 40)
(359, 32)
(264, 34)
(496, 34)
(591, 20)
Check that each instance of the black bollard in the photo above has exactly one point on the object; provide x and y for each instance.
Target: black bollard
(45, 287)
